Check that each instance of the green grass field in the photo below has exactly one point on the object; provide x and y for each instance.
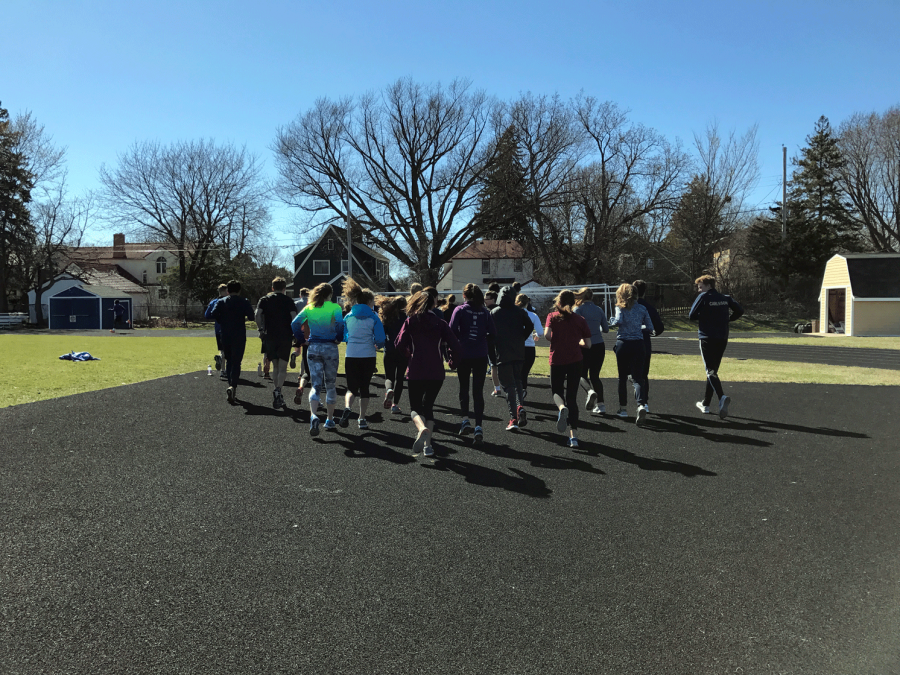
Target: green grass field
(31, 370)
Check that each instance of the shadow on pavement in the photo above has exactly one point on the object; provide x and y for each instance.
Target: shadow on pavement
(643, 463)
(521, 483)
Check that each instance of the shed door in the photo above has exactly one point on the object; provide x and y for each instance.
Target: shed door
(837, 310)
(74, 313)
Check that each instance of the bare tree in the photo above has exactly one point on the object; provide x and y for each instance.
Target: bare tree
(206, 201)
(408, 158)
(870, 175)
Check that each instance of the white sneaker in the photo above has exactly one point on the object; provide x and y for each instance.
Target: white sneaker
(723, 406)
(647, 408)
(599, 409)
(703, 408)
(641, 415)
(591, 400)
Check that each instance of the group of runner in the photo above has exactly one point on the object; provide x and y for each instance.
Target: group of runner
(494, 332)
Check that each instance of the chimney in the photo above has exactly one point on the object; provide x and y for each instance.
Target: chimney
(118, 246)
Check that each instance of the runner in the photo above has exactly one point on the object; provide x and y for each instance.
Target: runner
(714, 311)
(593, 358)
(363, 332)
(220, 366)
(231, 313)
(472, 324)
(393, 314)
(490, 301)
(512, 325)
(274, 314)
(420, 339)
(119, 311)
(300, 347)
(524, 302)
(630, 318)
(567, 334)
(325, 323)
(655, 331)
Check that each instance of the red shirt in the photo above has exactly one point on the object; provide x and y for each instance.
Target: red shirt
(566, 333)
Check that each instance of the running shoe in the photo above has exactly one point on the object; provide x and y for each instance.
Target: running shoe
(421, 441)
(267, 376)
(395, 410)
(622, 412)
(223, 376)
(428, 451)
(562, 421)
(218, 359)
(362, 423)
(293, 360)
(723, 406)
(229, 394)
(573, 442)
(479, 436)
(275, 403)
(647, 407)
(591, 400)
(641, 415)
(298, 395)
(388, 399)
(314, 425)
(702, 407)
(521, 417)
(499, 393)
(465, 428)
(512, 426)
(599, 409)
(345, 418)
(330, 425)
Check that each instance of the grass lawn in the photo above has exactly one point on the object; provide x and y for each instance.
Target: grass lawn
(31, 370)
(828, 341)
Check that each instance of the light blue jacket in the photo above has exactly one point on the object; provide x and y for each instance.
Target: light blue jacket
(363, 331)
(631, 322)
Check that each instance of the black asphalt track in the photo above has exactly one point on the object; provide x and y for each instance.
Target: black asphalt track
(154, 528)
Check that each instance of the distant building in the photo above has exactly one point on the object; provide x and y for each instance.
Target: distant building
(325, 260)
(484, 262)
(860, 294)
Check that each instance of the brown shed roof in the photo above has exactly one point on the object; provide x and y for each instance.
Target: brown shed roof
(492, 248)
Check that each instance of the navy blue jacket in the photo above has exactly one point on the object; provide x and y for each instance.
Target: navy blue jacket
(655, 318)
(231, 312)
(714, 311)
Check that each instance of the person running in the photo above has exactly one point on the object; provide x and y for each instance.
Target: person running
(393, 314)
(655, 331)
(274, 314)
(567, 334)
(593, 358)
(420, 340)
(714, 312)
(363, 333)
(222, 292)
(449, 307)
(524, 302)
(300, 344)
(490, 301)
(325, 323)
(473, 326)
(119, 310)
(231, 313)
(630, 318)
(301, 347)
(512, 325)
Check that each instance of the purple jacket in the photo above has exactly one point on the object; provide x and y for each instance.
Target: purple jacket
(472, 326)
(420, 338)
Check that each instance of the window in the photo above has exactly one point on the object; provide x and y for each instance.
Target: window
(144, 277)
(321, 268)
(330, 244)
(343, 267)
(163, 293)
(161, 265)
(485, 266)
(517, 265)
(649, 264)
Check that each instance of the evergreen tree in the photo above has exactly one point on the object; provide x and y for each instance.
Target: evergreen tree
(698, 227)
(16, 231)
(503, 202)
(818, 222)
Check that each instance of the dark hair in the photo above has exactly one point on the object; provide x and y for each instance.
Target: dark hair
(491, 295)
(279, 283)
(641, 287)
(563, 303)
(707, 279)
(233, 286)
(320, 294)
(304, 291)
(364, 297)
(473, 295)
(390, 308)
(432, 291)
(494, 288)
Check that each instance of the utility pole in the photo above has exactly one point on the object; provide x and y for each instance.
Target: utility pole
(349, 237)
(783, 193)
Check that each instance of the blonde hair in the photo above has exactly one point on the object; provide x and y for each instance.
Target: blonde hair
(583, 295)
(522, 300)
(626, 296)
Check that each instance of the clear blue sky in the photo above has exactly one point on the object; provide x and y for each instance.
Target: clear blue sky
(100, 75)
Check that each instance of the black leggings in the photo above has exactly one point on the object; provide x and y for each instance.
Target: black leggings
(359, 373)
(712, 350)
(527, 365)
(590, 369)
(564, 383)
(477, 367)
(422, 395)
(630, 361)
(395, 370)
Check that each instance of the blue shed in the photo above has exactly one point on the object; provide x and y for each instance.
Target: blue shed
(87, 308)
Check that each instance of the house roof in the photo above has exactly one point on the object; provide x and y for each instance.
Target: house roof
(104, 254)
(874, 275)
(113, 279)
(342, 235)
(493, 249)
(101, 291)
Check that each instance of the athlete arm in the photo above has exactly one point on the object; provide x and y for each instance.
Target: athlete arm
(695, 308)
(736, 310)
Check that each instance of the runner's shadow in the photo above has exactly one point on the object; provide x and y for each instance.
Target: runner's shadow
(643, 463)
(376, 444)
(521, 483)
(772, 427)
(705, 429)
(539, 461)
(253, 409)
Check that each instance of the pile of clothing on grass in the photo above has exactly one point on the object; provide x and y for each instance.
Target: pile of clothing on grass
(78, 356)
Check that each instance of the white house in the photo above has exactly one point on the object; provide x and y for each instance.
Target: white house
(484, 262)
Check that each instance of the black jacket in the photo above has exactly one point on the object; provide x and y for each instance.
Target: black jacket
(512, 324)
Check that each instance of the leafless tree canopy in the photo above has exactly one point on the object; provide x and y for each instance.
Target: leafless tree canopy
(208, 201)
(409, 158)
(870, 176)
